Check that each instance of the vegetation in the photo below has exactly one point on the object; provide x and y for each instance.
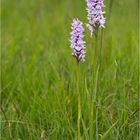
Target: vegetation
(38, 75)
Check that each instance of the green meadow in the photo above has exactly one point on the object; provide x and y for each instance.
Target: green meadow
(39, 76)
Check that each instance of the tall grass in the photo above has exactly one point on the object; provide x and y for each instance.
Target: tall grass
(39, 93)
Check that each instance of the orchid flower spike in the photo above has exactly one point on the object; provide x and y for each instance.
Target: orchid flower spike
(95, 15)
(76, 40)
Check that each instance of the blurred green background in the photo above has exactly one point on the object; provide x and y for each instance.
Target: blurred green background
(38, 72)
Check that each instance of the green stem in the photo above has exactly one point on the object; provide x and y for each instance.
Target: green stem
(79, 117)
(79, 104)
(96, 47)
(95, 62)
(91, 119)
(96, 99)
(96, 121)
(101, 46)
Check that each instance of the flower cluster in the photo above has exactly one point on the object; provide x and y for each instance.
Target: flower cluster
(95, 19)
(76, 39)
(95, 14)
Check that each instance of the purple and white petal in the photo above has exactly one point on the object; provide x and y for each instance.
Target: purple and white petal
(76, 40)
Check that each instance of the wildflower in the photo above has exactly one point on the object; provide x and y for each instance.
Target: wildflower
(95, 15)
(76, 39)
